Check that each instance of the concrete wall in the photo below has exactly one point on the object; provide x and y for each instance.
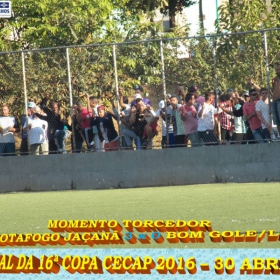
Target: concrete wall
(126, 169)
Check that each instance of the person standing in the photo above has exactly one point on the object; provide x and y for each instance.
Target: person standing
(24, 136)
(240, 128)
(8, 126)
(178, 127)
(262, 110)
(190, 121)
(139, 91)
(55, 123)
(206, 121)
(77, 137)
(84, 122)
(250, 115)
(93, 104)
(37, 133)
(226, 119)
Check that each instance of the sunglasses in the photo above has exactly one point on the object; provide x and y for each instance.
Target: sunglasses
(255, 94)
(265, 92)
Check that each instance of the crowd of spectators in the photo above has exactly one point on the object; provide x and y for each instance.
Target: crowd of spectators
(188, 119)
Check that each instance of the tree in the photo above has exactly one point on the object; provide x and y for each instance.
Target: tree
(240, 56)
(49, 23)
(170, 7)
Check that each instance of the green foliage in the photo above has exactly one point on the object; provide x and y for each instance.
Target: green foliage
(171, 7)
(242, 56)
(51, 23)
(46, 23)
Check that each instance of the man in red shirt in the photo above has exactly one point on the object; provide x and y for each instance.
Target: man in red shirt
(83, 119)
(250, 115)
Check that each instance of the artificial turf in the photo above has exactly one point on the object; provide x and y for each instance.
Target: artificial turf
(252, 206)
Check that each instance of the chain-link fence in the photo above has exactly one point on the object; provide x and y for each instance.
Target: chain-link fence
(60, 90)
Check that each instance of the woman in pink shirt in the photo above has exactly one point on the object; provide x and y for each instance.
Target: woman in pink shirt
(189, 119)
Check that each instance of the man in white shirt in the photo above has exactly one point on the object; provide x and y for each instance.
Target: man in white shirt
(262, 111)
(206, 122)
(8, 126)
(37, 133)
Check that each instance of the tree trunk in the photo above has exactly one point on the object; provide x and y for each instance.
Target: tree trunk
(201, 22)
(230, 5)
(171, 8)
(172, 20)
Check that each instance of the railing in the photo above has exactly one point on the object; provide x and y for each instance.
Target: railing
(68, 74)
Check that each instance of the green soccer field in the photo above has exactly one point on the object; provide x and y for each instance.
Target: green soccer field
(253, 206)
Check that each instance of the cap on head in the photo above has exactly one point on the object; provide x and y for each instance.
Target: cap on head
(138, 88)
(230, 90)
(246, 93)
(161, 104)
(138, 96)
(101, 107)
(31, 105)
(192, 89)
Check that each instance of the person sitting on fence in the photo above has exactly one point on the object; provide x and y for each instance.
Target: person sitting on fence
(146, 130)
(178, 128)
(151, 127)
(190, 121)
(206, 122)
(127, 133)
(106, 129)
(8, 126)
(37, 130)
(60, 136)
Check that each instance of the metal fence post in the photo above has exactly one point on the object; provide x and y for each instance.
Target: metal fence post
(24, 84)
(71, 97)
(164, 91)
(215, 69)
(69, 77)
(216, 82)
(117, 94)
(267, 77)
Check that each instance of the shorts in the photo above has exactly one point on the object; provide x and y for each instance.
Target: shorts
(153, 125)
